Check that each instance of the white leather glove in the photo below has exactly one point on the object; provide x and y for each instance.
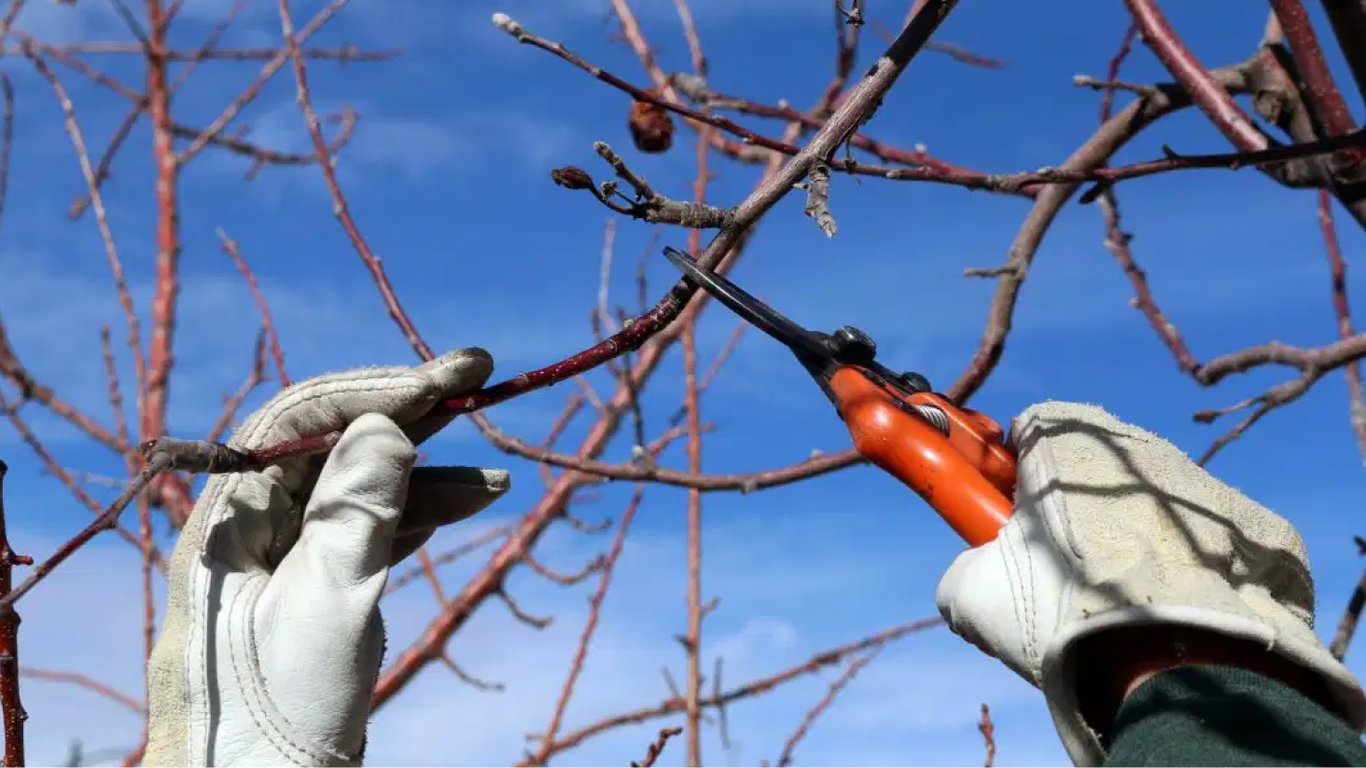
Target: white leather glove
(272, 640)
(1115, 527)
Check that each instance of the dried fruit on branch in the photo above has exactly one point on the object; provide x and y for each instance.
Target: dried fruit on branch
(651, 127)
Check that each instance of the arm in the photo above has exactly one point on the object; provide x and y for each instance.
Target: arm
(1178, 696)
(1223, 715)
(1126, 574)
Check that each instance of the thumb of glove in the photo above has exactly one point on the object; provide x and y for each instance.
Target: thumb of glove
(320, 638)
(1005, 596)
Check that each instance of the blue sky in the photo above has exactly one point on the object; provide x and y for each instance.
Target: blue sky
(447, 176)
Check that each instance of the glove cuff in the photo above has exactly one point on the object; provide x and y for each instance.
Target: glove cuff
(1062, 674)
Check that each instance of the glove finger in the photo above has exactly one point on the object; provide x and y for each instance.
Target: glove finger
(350, 521)
(407, 544)
(440, 496)
(974, 598)
(328, 403)
(451, 383)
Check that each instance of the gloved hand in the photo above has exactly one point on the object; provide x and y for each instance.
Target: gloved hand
(1115, 530)
(272, 639)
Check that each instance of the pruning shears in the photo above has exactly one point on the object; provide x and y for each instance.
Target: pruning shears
(956, 459)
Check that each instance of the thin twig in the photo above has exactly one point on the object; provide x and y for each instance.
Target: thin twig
(1347, 625)
(589, 627)
(754, 687)
(277, 60)
(339, 206)
(155, 464)
(925, 168)
(468, 679)
(85, 681)
(1117, 242)
(1205, 91)
(401, 580)
(33, 390)
(55, 469)
(850, 671)
(1342, 309)
(102, 220)
(988, 731)
(116, 397)
(1112, 71)
(657, 746)
(267, 321)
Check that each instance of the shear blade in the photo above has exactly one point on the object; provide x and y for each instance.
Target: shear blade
(751, 309)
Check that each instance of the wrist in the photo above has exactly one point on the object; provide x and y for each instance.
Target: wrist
(1124, 659)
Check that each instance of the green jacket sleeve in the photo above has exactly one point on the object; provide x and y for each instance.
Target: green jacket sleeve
(1208, 715)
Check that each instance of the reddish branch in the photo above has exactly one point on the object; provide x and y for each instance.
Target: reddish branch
(657, 747)
(1178, 162)
(195, 456)
(1348, 18)
(1112, 71)
(692, 408)
(1320, 92)
(988, 731)
(693, 640)
(1338, 271)
(149, 611)
(1204, 89)
(160, 357)
(14, 714)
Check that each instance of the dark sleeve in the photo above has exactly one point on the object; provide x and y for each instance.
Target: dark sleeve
(1208, 715)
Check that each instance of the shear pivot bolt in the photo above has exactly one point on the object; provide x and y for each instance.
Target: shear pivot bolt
(854, 346)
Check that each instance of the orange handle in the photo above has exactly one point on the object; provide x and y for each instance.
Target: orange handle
(968, 476)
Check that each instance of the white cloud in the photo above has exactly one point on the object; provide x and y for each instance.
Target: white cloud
(416, 148)
(757, 639)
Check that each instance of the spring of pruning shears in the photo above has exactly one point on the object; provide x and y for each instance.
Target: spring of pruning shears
(954, 458)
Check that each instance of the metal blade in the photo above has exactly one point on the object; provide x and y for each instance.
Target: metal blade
(754, 311)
